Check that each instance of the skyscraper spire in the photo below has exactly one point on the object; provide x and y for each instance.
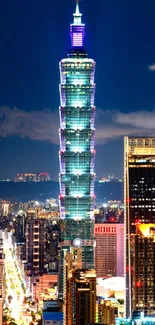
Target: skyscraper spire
(77, 29)
(77, 15)
(77, 8)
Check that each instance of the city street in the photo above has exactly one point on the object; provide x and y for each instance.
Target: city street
(15, 288)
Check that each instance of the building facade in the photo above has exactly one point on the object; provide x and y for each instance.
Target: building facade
(106, 311)
(109, 249)
(81, 297)
(20, 227)
(43, 287)
(36, 245)
(143, 272)
(72, 262)
(139, 202)
(77, 91)
(52, 313)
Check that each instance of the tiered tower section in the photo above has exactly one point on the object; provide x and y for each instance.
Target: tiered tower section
(77, 110)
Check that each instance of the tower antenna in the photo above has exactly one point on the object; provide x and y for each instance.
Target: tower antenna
(77, 12)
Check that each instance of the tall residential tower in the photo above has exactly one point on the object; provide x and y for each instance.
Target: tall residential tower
(77, 91)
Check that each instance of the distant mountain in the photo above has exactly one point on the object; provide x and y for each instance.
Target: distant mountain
(40, 191)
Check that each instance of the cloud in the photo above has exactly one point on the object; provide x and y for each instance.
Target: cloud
(36, 125)
(151, 67)
(145, 120)
(117, 124)
(44, 125)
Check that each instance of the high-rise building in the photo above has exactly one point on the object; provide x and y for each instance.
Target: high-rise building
(53, 236)
(109, 249)
(143, 264)
(139, 200)
(5, 207)
(77, 91)
(106, 311)
(81, 295)
(20, 227)
(79, 290)
(36, 245)
(72, 261)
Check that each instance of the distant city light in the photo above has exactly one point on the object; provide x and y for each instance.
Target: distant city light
(105, 205)
(20, 212)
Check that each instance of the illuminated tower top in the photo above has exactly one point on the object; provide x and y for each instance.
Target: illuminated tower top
(77, 29)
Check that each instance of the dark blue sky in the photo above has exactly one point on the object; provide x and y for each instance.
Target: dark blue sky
(34, 36)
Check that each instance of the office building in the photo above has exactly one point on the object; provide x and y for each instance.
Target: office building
(81, 295)
(139, 200)
(53, 237)
(36, 245)
(5, 206)
(20, 228)
(109, 249)
(79, 289)
(77, 90)
(106, 311)
(72, 261)
(143, 273)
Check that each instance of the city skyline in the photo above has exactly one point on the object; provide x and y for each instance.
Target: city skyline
(122, 43)
(76, 258)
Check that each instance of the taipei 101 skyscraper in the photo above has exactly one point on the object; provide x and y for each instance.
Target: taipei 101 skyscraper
(77, 110)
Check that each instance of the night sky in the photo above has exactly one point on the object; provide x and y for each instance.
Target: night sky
(34, 37)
